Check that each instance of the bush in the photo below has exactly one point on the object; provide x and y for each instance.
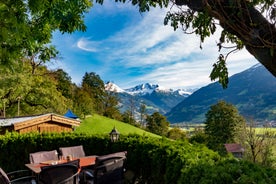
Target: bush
(152, 160)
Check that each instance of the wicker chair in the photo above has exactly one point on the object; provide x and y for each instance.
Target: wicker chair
(42, 156)
(20, 176)
(108, 169)
(66, 173)
(75, 151)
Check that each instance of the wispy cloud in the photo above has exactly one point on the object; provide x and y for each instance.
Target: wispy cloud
(147, 42)
(88, 45)
(144, 50)
(180, 75)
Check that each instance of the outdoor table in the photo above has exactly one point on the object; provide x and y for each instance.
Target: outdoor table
(84, 162)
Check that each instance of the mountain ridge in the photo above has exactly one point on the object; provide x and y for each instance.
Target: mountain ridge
(251, 91)
(156, 98)
(146, 88)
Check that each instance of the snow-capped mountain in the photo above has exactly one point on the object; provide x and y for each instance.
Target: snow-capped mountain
(185, 92)
(147, 88)
(143, 89)
(155, 98)
(109, 86)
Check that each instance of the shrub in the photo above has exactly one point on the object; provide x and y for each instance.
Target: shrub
(152, 160)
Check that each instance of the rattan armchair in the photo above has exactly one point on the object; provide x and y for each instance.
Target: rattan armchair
(19, 176)
(66, 173)
(75, 151)
(42, 156)
(108, 169)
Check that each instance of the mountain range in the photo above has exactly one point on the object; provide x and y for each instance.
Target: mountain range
(252, 92)
(154, 97)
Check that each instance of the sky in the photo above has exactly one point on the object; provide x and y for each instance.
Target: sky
(129, 48)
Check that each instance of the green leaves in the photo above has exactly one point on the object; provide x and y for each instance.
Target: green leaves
(37, 91)
(94, 86)
(203, 25)
(222, 122)
(157, 123)
(220, 71)
(24, 23)
(152, 160)
(143, 5)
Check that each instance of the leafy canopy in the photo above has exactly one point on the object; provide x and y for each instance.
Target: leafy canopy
(32, 93)
(157, 123)
(28, 23)
(222, 124)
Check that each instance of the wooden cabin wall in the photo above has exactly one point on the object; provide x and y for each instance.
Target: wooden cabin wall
(47, 128)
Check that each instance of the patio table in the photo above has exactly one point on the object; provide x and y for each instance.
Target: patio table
(84, 162)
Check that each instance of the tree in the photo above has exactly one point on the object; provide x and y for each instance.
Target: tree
(39, 54)
(110, 108)
(132, 107)
(94, 86)
(64, 84)
(223, 123)
(29, 93)
(157, 123)
(127, 118)
(245, 23)
(199, 136)
(83, 103)
(258, 144)
(176, 134)
(142, 109)
(25, 24)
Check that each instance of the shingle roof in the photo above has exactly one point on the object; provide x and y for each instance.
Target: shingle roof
(11, 121)
(234, 148)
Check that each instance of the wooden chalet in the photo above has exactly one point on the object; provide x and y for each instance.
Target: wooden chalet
(39, 123)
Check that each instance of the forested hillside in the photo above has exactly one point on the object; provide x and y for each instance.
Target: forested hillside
(30, 88)
(252, 92)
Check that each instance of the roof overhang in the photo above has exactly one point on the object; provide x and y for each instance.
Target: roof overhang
(35, 120)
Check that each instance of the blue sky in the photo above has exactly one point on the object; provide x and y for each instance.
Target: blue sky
(129, 48)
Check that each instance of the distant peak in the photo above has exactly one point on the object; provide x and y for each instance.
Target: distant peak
(148, 88)
(142, 89)
(109, 86)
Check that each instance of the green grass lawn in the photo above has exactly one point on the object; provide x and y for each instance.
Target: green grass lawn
(97, 124)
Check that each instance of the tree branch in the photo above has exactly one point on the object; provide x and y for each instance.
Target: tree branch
(240, 18)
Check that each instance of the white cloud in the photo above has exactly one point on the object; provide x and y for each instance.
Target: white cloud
(175, 58)
(147, 42)
(192, 74)
(182, 74)
(87, 45)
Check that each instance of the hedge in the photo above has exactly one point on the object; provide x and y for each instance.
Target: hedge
(151, 160)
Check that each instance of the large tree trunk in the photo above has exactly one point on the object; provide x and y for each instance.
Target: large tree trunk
(248, 24)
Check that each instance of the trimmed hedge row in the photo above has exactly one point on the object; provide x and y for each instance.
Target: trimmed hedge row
(151, 160)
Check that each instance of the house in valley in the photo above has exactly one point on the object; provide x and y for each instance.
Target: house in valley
(236, 149)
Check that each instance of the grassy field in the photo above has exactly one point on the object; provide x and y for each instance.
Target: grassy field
(97, 124)
(262, 130)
